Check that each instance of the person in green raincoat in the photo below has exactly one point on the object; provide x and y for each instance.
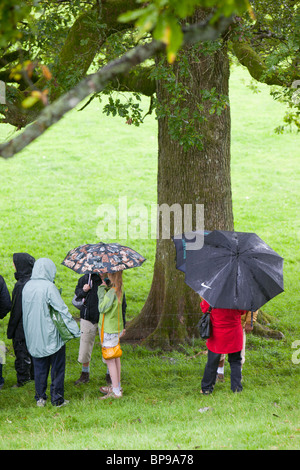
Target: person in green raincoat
(43, 340)
(110, 304)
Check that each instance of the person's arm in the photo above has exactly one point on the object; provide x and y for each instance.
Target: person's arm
(82, 288)
(106, 299)
(58, 304)
(124, 308)
(248, 322)
(16, 310)
(5, 301)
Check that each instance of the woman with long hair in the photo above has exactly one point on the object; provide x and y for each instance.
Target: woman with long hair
(110, 309)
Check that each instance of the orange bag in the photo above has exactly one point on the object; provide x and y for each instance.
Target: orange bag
(116, 351)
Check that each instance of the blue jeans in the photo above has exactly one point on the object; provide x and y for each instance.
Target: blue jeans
(57, 362)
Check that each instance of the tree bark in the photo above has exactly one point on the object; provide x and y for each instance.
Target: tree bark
(172, 311)
(261, 328)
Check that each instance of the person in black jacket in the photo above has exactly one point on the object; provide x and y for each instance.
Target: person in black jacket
(23, 263)
(5, 306)
(87, 291)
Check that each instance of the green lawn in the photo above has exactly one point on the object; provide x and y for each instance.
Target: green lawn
(50, 194)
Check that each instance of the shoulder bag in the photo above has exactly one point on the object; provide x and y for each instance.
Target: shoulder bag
(205, 325)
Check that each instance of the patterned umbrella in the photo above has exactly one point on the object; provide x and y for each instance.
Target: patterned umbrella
(102, 258)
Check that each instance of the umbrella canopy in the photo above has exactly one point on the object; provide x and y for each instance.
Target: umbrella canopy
(180, 245)
(235, 270)
(102, 258)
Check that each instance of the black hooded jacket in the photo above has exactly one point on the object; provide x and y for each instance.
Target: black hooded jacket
(5, 302)
(24, 264)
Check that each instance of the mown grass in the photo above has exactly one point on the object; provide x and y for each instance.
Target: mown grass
(49, 199)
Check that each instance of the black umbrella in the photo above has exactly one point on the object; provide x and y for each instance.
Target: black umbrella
(234, 270)
(182, 243)
(102, 258)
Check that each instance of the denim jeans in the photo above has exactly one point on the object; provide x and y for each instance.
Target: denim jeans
(57, 362)
(210, 372)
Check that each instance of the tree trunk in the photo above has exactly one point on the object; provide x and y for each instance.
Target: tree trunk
(172, 309)
(261, 328)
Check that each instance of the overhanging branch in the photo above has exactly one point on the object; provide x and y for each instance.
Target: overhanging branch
(96, 82)
(257, 68)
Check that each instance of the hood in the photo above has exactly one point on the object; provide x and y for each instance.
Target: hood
(24, 264)
(44, 268)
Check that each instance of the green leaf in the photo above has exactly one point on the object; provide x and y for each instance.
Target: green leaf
(29, 101)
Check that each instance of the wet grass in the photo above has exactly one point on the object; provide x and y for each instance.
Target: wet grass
(49, 199)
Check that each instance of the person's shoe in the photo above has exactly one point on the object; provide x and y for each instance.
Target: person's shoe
(20, 384)
(64, 403)
(105, 390)
(108, 389)
(41, 402)
(111, 394)
(205, 392)
(83, 379)
(220, 378)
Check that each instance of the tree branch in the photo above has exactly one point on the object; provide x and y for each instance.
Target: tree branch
(12, 56)
(88, 32)
(248, 57)
(137, 80)
(96, 82)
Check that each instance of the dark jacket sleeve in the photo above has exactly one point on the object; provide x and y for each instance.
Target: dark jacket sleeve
(124, 307)
(5, 302)
(79, 292)
(16, 310)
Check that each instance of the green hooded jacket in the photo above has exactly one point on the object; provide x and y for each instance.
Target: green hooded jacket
(42, 336)
(111, 309)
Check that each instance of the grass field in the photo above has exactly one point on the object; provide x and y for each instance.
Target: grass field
(50, 194)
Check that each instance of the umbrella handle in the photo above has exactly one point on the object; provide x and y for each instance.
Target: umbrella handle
(251, 319)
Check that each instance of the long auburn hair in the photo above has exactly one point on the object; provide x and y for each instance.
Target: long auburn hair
(117, 283)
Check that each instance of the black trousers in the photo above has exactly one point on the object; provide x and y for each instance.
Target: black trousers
(23, 362)
(210, 372)
(42, 365)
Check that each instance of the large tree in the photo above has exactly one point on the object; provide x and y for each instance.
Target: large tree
(202, 175)
(193, 116)
(198, 174)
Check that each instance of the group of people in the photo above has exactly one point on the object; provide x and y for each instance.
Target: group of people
(39, 347)
(37, 343)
